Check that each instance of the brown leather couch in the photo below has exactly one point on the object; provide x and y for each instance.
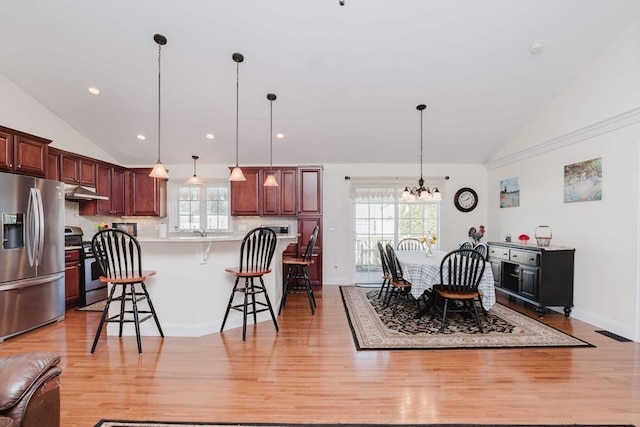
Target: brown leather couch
(30, 390)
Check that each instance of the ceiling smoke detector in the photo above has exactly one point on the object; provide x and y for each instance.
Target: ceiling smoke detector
(536, 48)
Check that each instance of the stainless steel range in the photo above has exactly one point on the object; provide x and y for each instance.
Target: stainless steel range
(91, 289)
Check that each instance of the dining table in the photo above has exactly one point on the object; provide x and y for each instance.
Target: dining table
(423, 271)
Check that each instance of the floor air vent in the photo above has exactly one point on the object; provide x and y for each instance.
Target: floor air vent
(614, 336)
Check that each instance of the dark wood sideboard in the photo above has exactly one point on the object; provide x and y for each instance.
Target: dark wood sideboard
(537, 275)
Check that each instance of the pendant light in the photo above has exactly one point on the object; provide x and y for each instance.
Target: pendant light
(195, 179)
(158, 170)
(420, 192)
(271, 178)
(236, 173)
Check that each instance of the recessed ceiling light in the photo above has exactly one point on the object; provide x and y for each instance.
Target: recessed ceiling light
(210, 136)
(94, 91)
(279, 135)
(141, 137)
(536, 47)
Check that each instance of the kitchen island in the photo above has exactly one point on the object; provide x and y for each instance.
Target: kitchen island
(191, 289)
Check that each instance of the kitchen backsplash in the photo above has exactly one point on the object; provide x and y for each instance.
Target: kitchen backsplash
(149, 227)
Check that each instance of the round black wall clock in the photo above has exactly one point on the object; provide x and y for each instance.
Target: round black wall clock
(466, 199)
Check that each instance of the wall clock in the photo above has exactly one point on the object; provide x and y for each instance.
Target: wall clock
(466, 199)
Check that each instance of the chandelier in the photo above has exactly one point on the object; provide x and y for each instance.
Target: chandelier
(421, 192)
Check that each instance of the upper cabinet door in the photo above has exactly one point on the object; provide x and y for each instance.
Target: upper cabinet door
(288, 191)
(6, 151)
(147, 196)
(310, 191)
(270, 195)
(23, 153)
(245, 195)
(70, 169)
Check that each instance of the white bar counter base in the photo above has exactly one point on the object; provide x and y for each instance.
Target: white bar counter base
(191, 289)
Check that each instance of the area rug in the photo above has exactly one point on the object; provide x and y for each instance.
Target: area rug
(116, 423)
(96, 306)
(374, 327)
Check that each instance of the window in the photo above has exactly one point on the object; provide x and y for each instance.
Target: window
(194, 207)
(381, 215)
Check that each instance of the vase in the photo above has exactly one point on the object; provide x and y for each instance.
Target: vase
(429, 251)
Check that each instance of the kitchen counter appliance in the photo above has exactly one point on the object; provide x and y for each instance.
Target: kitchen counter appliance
(91, 288)
(31, 253)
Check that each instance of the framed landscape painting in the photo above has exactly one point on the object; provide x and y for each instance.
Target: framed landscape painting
(509, 193)
(583, 181)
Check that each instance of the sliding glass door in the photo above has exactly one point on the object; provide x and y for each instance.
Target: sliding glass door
(380, 216)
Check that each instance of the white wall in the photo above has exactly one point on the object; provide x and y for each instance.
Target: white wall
(338, 251)
(596, 116)
(20, 111)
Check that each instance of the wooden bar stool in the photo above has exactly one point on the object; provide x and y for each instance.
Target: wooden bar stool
(120, 259)
(298, 270)
(256, 253)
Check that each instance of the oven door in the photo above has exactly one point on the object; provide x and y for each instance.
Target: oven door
(94, 290)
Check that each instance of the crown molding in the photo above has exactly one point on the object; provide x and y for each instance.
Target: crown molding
(604, 126)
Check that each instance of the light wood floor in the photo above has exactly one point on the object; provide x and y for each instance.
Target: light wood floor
(310, 372)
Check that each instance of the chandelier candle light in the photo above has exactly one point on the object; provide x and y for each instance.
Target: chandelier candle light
(271, 178)
(420, 192)
(195, 179)
(158, 170)
(236, 173)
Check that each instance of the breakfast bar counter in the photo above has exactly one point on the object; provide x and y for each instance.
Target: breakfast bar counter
(191, 288)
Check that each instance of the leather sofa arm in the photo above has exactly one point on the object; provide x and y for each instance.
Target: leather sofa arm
(19, 372)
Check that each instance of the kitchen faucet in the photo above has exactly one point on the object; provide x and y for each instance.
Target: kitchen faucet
(201, 231)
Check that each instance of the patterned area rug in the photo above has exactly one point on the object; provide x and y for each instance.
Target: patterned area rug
(375, 328)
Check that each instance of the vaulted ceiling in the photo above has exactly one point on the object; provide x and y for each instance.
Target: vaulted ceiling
(347, 78)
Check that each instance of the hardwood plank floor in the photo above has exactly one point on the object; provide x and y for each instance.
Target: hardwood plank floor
(310, 372)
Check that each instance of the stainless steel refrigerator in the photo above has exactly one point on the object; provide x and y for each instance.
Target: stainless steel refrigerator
(31, 253)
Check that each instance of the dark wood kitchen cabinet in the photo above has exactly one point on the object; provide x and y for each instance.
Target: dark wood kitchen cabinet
(537, 275)
(145, 195)
(77, 170)
(310, 191)
(53, 164)
(23, 153)
(280, 200)
(110, 183)
(252, 198)
(246, 195)
(72, 275)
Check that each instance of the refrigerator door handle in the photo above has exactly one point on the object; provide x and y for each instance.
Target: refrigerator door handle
(30, 228)
(39, 226)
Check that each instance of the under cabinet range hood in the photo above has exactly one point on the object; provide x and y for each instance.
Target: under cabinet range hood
(79, 193)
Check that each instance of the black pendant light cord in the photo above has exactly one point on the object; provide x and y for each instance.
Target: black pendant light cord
(159, 100)
(237, 105)
(271, 136)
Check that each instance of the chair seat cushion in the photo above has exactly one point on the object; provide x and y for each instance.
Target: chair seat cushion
(20, 371)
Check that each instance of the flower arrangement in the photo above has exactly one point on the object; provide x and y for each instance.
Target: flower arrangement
(102, 226)
(430, 241)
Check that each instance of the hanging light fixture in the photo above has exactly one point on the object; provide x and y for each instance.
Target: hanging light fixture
(420, 192)
(158, 170)
(195, 179)
(271, 178)
(236, 173)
